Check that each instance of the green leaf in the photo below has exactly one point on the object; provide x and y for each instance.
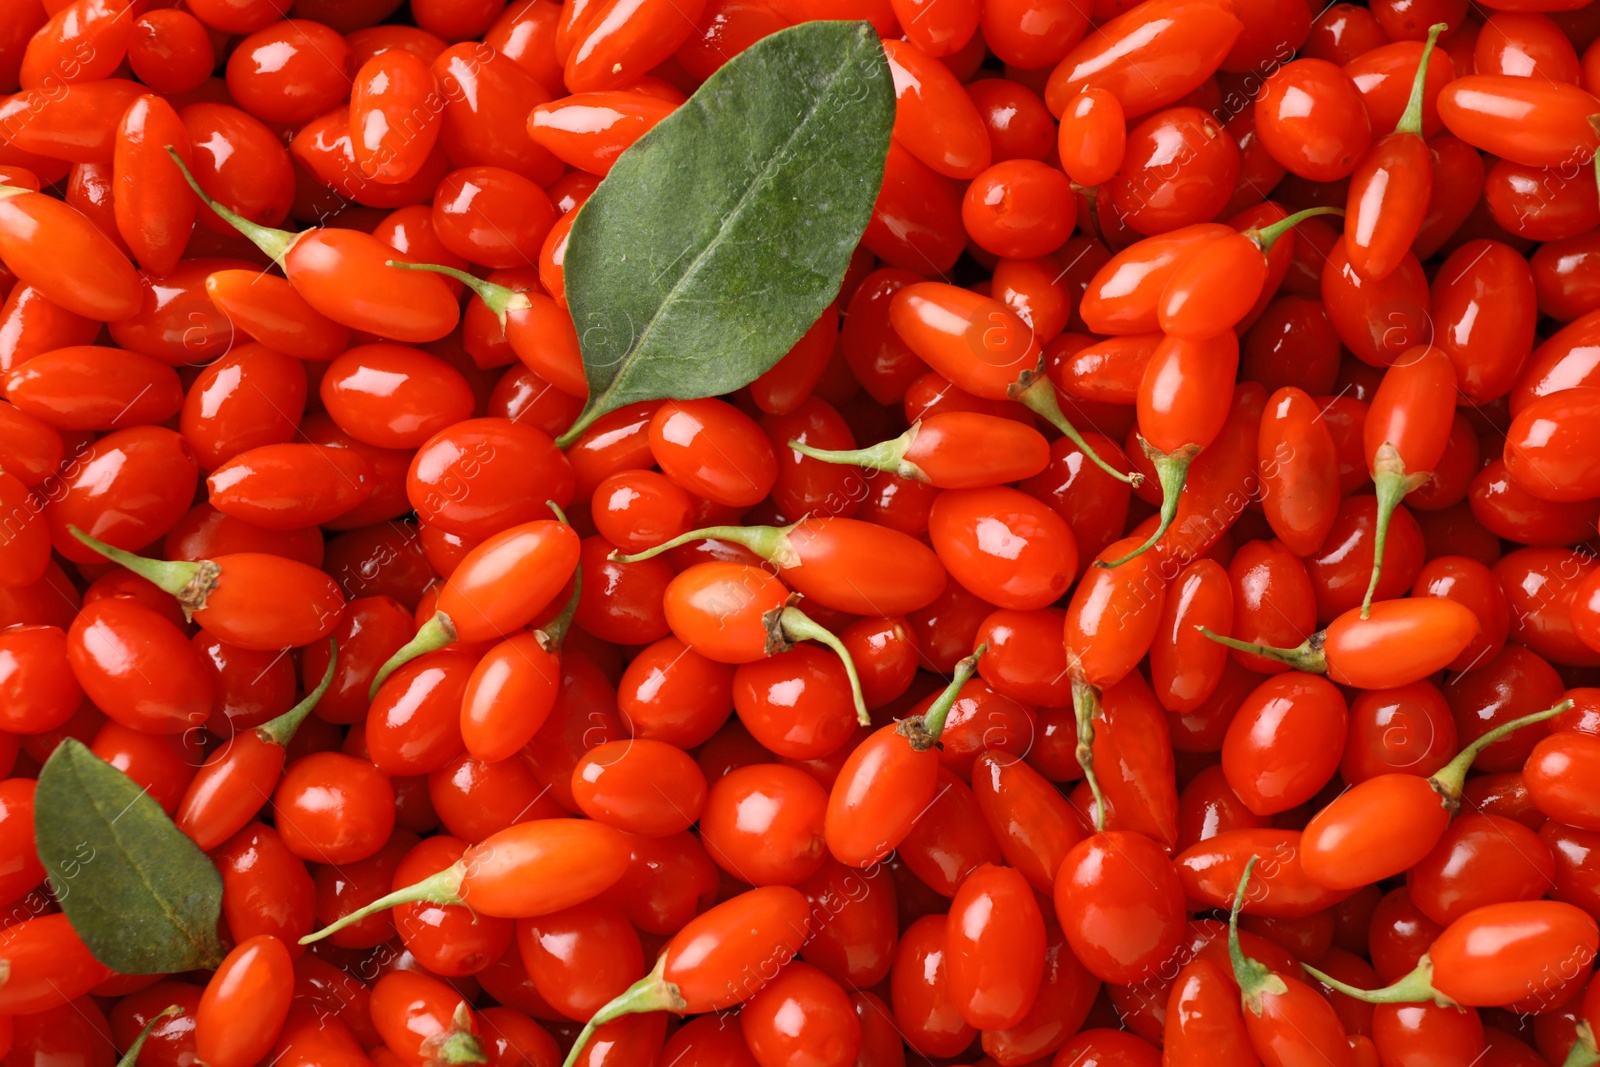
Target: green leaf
(718, 239)
(143, 897)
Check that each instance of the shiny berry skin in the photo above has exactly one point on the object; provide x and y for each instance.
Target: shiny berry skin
(1555, 773)
(127, 488)
(581, 957)
(1479, 860)
(670, 693)
(508, 696)
(505, 581)
(251, 396)
(638, 786)
(1148, 58)
(170, 51)
(924, 1010)
(413, 725)
(1283, 744)
(448, 939)
(41, 692)
(1004, 546)
(389, 142)
(974, 341)
(371, 629)
(879, 793)
(1407, 729)
(796, 704)
(1323, 142)
(474, 799)
(717, 610)
(265, 602)
(245, 1003)
(636, 510)
(24, 871)
(1153, 196)
(854, 937)
(478, 477)
(1120, 902)
(289, 72)
(801, 1017)
(1092, 137)
(590, 130)
(266, 889)
(332, 808)
(138, 667)
(1520, 940)
(393, 396)
(522, 213)
(1019, 209)
(289, 486)
(418, 1018)
(994, 948)
(50, 965)
(1209, 871)
(710, 449)
(764, 824)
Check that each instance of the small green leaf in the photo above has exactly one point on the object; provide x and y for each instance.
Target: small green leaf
(143, 897)
(722, 234)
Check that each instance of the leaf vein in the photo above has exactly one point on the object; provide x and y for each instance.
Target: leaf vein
(111, 825)
(755, 183)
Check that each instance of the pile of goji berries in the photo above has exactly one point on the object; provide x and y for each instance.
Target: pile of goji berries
(1151, 617)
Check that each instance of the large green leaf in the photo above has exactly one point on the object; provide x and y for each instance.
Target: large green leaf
(722, 234)
(143, 897)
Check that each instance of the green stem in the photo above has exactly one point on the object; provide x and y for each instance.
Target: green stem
(1583, 1052)
(923, 731)
(1172, 471)
(131, 1057)
(1594, 124)
(1414, 988)
(499, 299)
(1037, 393)
(585, 419)
(793, 625)
(280, 731)
(1392, 483)
(1411, 118)
(190, 583)
(456, 1045)
(1267, 236)
(1255, 978)
(1450, 778)
(650, 993)
(441, 888)
(554, 632)
(433, 635)
(1085, 706)
(883, 456)
(1091, 193)
(1306, 657)
(275, 243)
(771, 543)
(174, 576)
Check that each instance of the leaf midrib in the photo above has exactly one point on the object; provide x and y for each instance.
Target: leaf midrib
(722, 229)
(201, 949)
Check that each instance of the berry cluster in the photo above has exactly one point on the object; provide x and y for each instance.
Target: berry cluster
(799, 533)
